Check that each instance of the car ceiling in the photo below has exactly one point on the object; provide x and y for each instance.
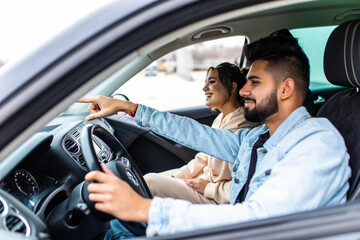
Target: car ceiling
(257, 24)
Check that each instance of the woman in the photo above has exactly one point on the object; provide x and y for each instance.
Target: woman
(206, 179)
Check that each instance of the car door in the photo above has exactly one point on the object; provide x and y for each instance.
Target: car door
(340, 222)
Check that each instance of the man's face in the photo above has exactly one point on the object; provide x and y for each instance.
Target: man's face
(260, 93)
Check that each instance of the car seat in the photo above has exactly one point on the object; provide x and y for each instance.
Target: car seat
(309, 103)
(342, 68)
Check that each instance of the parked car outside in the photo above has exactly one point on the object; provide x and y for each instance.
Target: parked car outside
(150, 70)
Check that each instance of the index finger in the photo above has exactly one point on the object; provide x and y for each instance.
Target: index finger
(86, 99)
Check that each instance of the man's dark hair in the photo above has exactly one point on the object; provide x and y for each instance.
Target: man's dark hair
(229, 73)
(285, 58)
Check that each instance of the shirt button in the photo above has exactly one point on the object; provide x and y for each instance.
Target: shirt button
(263, 152)
(236, 180)
(235, 168)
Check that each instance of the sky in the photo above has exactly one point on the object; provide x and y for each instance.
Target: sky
(26, 24)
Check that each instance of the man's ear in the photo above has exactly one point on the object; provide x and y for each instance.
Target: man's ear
(286, 88)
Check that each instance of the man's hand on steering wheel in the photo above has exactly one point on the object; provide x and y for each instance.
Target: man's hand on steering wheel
(116, 197)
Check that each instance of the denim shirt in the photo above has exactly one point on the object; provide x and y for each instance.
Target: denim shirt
(302, 166)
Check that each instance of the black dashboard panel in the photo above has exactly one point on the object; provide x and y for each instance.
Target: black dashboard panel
(29, 186)
(43, 171)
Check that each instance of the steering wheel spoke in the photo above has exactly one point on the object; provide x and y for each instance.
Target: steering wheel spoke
(122, 166)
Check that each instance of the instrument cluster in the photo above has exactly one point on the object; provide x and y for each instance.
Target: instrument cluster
(28, 186)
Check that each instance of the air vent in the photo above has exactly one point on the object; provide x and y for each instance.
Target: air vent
(2, 207)
(71, 146)
(82, 161)
(76, 134)
(15, 224)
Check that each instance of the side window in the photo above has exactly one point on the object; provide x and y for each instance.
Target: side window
(176, 80)
(313, 42)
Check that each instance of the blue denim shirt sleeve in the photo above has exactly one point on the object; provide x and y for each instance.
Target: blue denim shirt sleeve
(310, 171)
(191, 133)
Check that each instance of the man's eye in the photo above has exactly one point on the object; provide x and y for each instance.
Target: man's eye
(212, 81)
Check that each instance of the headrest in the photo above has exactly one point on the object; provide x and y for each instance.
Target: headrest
(342, 55)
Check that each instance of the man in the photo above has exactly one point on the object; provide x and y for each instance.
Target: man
(291, 163)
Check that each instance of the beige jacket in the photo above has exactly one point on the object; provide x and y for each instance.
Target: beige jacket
(216, 171)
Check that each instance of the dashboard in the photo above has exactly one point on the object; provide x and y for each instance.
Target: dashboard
(71, 144)
(42, 181)
(46, 168)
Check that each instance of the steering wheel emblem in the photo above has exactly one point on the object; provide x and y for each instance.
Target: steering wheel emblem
(132, 178)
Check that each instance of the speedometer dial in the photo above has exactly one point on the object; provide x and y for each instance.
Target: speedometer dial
(25, 182)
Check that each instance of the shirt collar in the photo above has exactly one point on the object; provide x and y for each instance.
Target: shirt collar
(292, 121)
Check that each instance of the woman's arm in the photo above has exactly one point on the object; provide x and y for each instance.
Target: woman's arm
(219, 191)
(192, 168)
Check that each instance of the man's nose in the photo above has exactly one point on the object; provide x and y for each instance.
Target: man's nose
(245, 90)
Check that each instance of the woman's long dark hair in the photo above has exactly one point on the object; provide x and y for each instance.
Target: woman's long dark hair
(229, 73)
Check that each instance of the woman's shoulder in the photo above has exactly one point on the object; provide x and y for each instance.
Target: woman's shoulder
(237, 120)
(236, 116)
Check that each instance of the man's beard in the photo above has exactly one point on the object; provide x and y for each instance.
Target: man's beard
(264, 110)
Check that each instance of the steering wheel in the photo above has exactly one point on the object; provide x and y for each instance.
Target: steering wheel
(122, 166)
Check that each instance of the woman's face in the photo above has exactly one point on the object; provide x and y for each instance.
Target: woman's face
(216, 94)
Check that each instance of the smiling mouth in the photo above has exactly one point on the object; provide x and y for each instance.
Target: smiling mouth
(249, 102)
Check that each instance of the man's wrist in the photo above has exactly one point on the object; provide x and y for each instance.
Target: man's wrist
(143, 210)
(125, 106)
(133, 112)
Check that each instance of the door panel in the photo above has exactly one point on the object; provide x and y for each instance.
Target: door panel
(340, 222)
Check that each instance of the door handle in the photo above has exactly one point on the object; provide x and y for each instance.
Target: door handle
(319, 99)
